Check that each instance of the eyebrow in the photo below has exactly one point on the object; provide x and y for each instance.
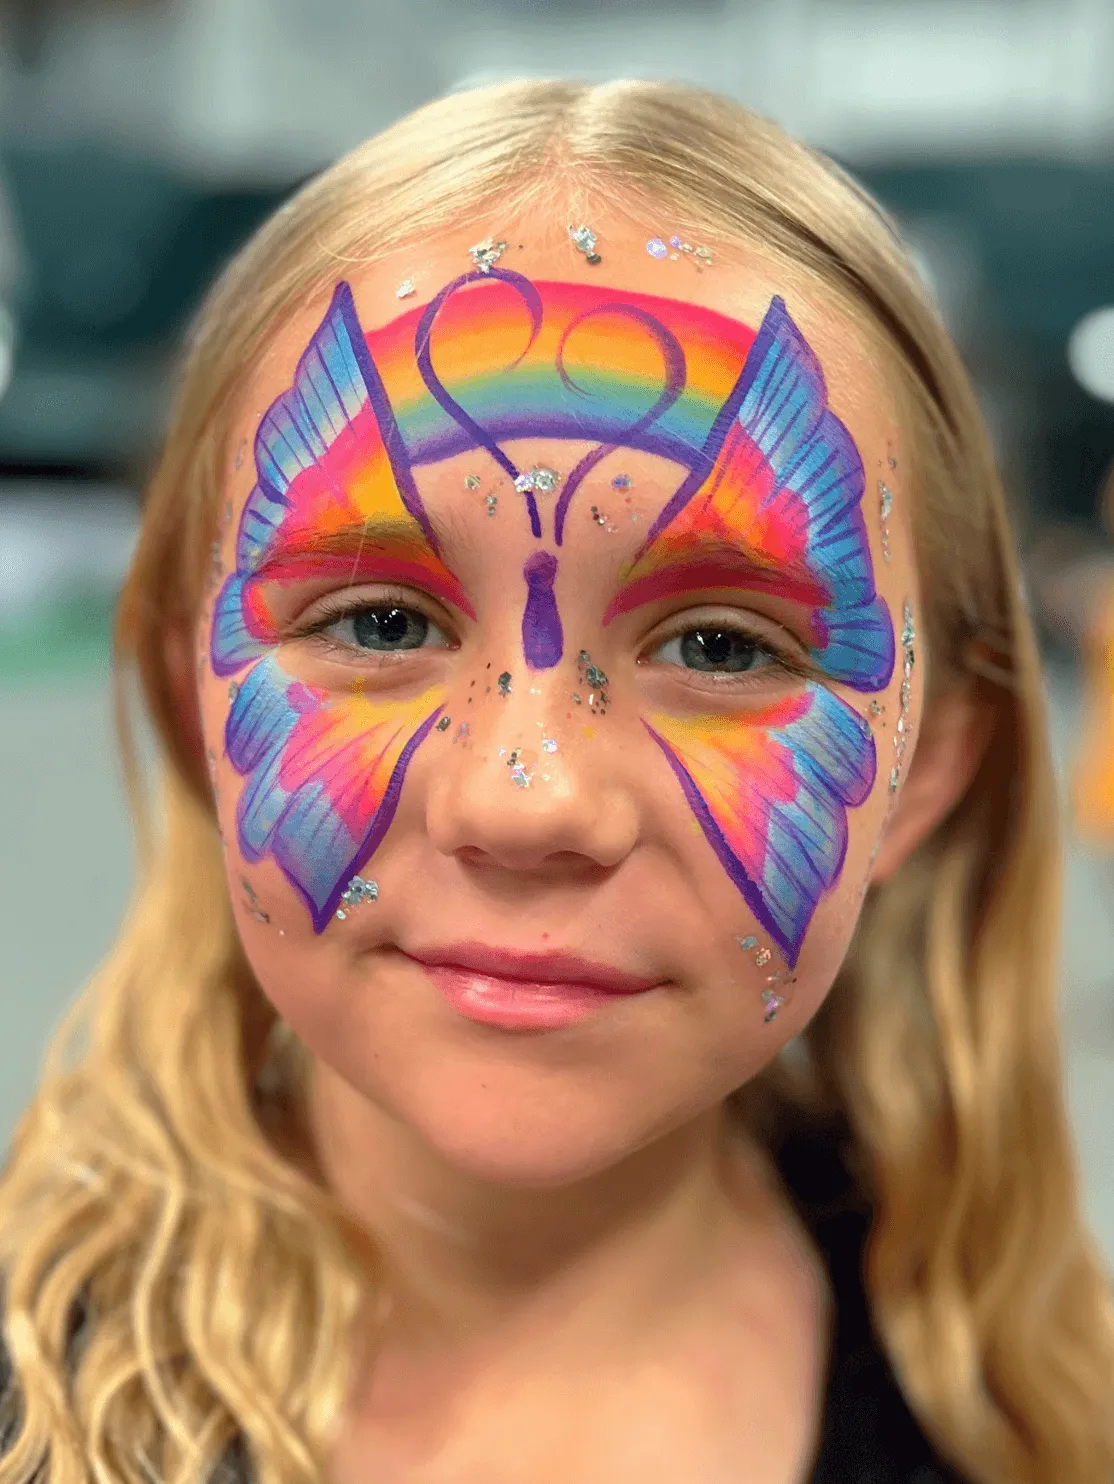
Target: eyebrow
(705, 565)
(363, 551)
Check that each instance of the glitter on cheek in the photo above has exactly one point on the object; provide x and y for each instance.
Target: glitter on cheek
(444, 724)
(405, 289)
(472, 481)
(886, 505)
(355, 894)
(504, 683)
(549, 744)
(657, 248)
(492, 503)
(251, 901)
(901, 736)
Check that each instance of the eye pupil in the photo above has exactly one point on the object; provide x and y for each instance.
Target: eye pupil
(389, 628)
(718, 649)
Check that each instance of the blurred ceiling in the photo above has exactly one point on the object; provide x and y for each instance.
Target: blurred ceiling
(140, 143)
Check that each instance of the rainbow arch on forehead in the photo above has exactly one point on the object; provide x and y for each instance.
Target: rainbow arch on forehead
(589, 373)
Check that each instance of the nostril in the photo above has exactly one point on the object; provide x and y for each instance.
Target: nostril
(543, 640)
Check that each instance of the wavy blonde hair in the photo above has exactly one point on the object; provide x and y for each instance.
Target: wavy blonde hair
(159, 1178)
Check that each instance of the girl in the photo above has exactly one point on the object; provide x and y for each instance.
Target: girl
(589, 1012)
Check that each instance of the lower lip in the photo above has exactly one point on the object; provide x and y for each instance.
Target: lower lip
(518, 1004)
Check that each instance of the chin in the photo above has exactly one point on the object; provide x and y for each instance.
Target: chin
(541, 1137)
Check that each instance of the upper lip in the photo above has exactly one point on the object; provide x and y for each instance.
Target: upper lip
(533, 968)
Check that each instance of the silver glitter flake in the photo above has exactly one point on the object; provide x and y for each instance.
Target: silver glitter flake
(444, 724)
(621, 482)
(355, 894)
(472, 481)
(487, 253)
(657, 248)
(886, 505)
(583, 239)
(549, 744)
(773, 1003)
(539, 480)
(901, 734)
(405, 289)
(763, 957)
(492, 502)
(504, 683)
(747, 943)
(596, 682)
(251, 901)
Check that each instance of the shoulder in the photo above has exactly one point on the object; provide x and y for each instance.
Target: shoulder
(868, 1430)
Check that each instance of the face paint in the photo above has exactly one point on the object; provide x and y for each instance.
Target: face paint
(770, 498)
(583, 373)
(770, 791)
(776, 506)
(322, 774)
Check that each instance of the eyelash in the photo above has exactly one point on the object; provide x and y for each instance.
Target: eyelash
(780, 658)
(334, 609)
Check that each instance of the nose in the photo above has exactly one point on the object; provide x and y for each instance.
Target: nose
(525, 798)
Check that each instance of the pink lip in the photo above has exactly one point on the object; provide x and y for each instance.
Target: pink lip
(525, 991)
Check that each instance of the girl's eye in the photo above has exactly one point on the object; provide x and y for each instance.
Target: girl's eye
(718, 651)
(385, 628)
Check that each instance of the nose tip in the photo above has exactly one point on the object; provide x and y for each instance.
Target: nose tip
(523, 807)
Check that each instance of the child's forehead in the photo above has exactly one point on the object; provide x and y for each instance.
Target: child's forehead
(735, 288)
(638, 351)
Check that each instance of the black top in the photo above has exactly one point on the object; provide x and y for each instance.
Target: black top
(869, 1435)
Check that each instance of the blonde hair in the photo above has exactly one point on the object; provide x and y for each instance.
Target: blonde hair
(156, 1177)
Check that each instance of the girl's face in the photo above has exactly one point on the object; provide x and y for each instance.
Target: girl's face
(558, 677)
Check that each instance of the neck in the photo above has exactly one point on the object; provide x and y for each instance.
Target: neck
(463, 1255)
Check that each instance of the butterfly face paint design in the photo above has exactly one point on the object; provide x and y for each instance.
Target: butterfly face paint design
(323, 775)
(771, 490)
(778, 509)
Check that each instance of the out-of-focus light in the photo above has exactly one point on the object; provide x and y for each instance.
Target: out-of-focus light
(7, 348)
(1091, 353)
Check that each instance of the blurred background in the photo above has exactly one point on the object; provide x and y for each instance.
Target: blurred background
(142, 140)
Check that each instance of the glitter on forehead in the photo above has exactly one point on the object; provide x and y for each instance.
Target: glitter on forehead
(405, 289)
(539, 479)
(487, 253)
(584, 240)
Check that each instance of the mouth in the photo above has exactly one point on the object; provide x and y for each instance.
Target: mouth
(516, 990)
